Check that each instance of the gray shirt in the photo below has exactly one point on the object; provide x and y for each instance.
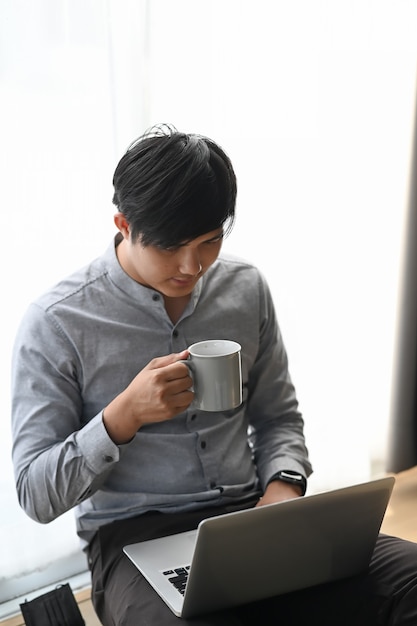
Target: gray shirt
(81, 344)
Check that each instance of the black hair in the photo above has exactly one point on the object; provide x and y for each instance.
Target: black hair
(173, 187)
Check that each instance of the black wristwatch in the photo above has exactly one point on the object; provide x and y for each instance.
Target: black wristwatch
(294, 478)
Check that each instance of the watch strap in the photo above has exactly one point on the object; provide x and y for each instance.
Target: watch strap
(291, 477)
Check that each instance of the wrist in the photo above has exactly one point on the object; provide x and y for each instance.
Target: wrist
(295, 479)
(120, 429)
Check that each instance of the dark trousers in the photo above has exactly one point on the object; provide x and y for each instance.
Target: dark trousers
(384, 595)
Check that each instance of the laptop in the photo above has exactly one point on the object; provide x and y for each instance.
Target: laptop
(261, 552)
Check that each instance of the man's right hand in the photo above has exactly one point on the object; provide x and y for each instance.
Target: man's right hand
(159, 392)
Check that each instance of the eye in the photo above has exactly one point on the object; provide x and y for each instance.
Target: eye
(168, 250)
(215, 240)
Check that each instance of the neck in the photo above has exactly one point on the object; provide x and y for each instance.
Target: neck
(175, 307)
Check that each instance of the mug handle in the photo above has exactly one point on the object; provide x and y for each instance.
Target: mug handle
(187, 362)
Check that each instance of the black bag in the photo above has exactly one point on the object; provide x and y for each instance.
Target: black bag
(55, 608)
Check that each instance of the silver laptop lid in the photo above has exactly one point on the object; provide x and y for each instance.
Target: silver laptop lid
(252, 554)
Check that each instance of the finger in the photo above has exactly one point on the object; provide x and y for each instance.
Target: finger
(178, 384)
(178, 370)
(182, 355)
(183, 400)
(168, 359)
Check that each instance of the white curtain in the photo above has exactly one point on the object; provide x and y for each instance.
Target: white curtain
(72, 98)
(313, 102)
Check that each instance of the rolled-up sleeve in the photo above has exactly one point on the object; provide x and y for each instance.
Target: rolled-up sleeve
(276, 424)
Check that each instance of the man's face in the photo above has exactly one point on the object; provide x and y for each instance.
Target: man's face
(173, 272)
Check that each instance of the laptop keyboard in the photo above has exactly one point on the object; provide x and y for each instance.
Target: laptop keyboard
(178, 577)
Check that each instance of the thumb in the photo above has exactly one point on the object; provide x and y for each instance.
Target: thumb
(169, 359)
(181, 356)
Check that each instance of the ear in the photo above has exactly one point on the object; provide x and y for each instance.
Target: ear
(122, 224)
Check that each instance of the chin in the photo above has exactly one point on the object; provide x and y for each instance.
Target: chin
(178, 291)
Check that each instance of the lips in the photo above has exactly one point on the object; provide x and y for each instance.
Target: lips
(184, 282)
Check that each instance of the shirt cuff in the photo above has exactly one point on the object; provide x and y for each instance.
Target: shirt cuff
(96, 446)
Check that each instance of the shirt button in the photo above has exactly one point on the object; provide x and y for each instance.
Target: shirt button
(203, 444)
(194, 415)
(108, 458)
(175, 333)
(155, 297)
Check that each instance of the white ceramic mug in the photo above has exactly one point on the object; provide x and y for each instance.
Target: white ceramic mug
(216, 369)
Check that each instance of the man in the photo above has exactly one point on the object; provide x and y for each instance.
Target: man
(103, 419)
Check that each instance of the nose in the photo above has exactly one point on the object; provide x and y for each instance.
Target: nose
(190, 262)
